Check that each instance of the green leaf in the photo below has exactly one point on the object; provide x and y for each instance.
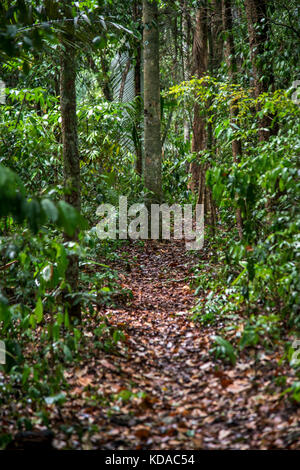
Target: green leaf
(5, 313)
(226, 348)
(50, 209)
(218, 130)
(99, 42)
(69, 218)
(67, 353)
(38, 311)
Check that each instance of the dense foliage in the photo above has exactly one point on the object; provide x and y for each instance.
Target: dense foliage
(252, 280)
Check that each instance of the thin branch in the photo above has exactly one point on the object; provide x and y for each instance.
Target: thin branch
(5, 266)
(297, 32)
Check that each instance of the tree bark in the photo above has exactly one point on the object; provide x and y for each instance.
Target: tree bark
(186, 42)
(216, 42)
(106, 89)
(103, 76)
(232, 71)
(200, 63)
(152, 138)
(215, 55)
(70, 149)
(124, 78)
(137, 92)
(258, 30)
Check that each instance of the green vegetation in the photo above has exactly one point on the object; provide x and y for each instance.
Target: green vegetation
(224, 132)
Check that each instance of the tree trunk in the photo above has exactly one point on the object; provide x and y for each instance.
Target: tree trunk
(152, 138)
(186, 42)
(258, 30)
(124, 78)
(137, 93)
(106, 79)
(232, 70)
(215, 55)
(216, 42)
(200, 63)
(70, 149)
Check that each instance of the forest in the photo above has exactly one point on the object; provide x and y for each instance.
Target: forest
(125, 326)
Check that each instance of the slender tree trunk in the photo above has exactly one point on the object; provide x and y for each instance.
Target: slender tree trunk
(124, 78)
(216, 42)
(106, 80)
(138, 130)
(232, 70)
(152, 138)
(215, 55)
(103, 76)
(186, 42)
(137, 92)
(200, 63)
(258, 30)
(174, 40)
(70, 149)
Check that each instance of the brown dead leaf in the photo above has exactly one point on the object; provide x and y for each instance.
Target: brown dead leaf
(142, 433)
(238, 386)
(108, 365)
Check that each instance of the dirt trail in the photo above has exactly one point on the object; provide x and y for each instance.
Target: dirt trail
(169, 391)
(189, 403)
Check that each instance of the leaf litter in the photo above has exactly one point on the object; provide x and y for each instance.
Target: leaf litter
(161, 388)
